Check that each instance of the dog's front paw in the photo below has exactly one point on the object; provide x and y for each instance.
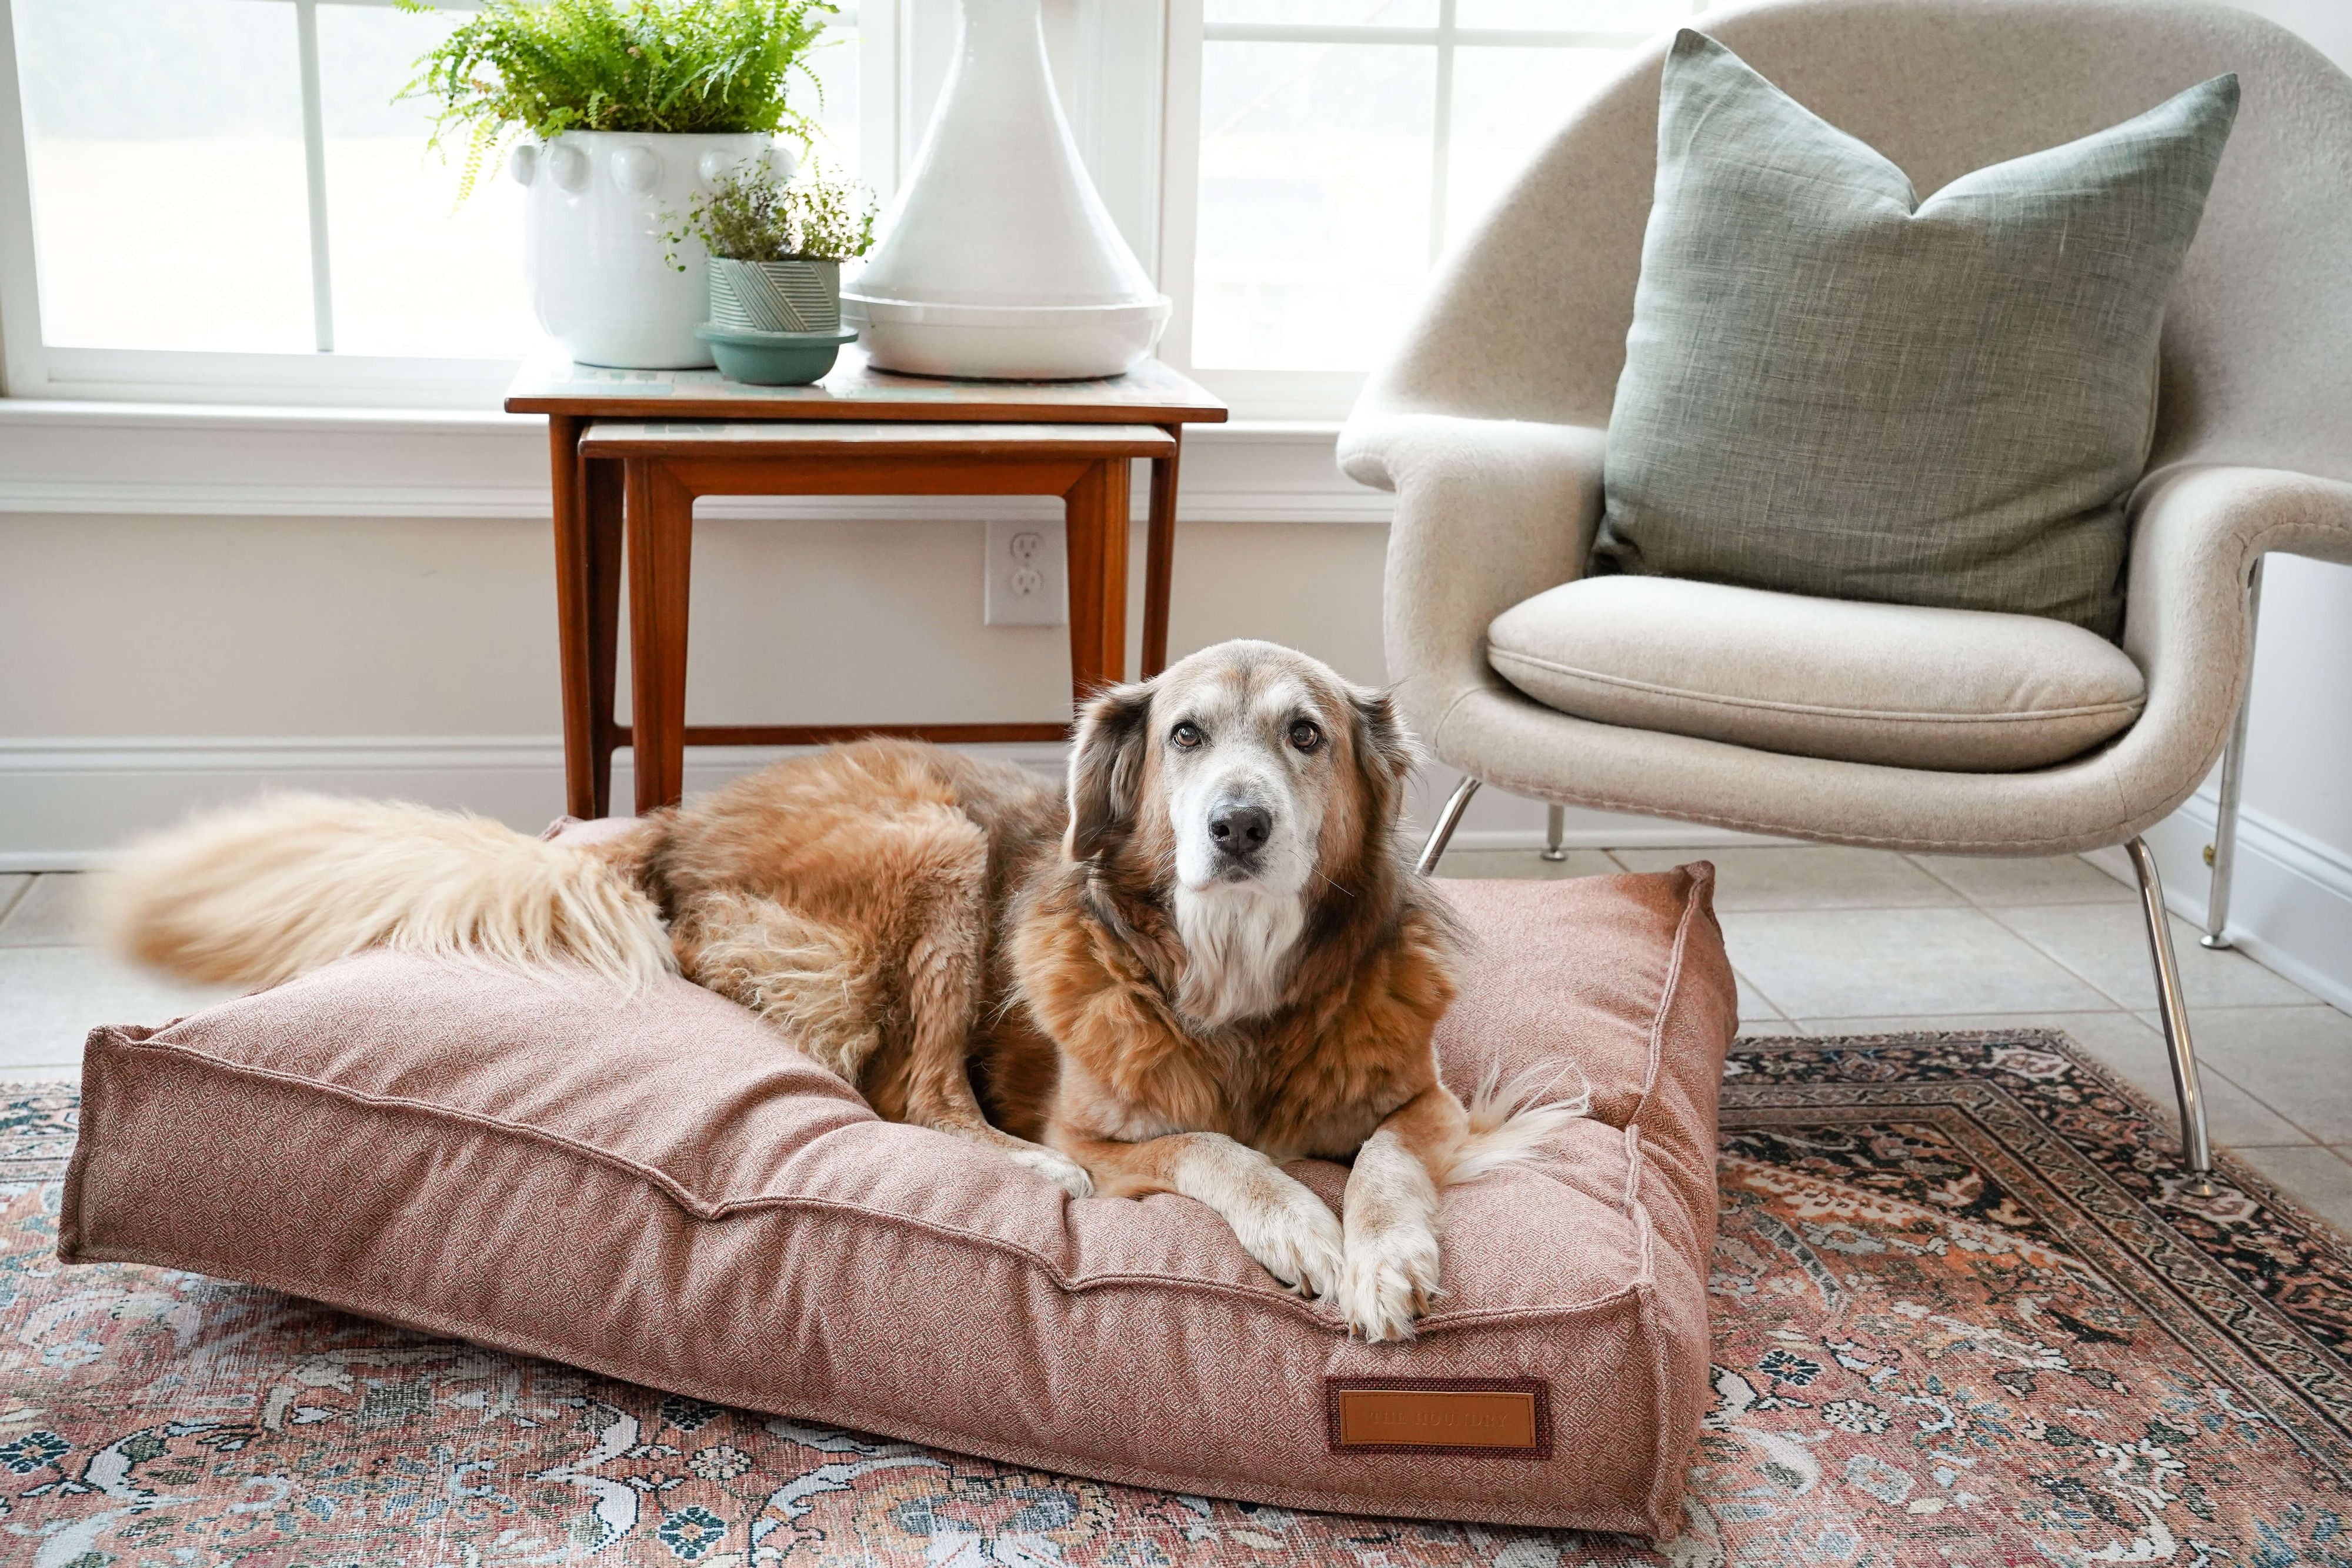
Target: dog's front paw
(1291, 1232)
(1059, 1169)
(1388, 1279)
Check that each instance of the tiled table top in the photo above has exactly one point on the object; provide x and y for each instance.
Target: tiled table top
(1152, 392)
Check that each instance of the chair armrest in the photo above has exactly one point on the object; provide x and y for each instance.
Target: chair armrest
(2195, 533)
(1489, 512)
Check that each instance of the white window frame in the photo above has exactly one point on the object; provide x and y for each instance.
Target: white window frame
(1286, 394)
(1130, 79)
(37, 369)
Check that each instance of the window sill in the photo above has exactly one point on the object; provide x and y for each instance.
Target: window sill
(220, 460)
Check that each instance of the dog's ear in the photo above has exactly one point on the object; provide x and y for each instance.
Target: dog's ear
(1106, 768)
(1383, 746)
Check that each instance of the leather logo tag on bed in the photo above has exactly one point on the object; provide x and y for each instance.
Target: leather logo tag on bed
(1497, 1417)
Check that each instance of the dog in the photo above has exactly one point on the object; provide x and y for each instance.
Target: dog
(1205, 958)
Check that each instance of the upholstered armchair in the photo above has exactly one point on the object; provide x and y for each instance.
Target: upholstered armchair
(1489, 425)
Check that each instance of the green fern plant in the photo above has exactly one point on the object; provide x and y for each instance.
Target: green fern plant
(540, 68)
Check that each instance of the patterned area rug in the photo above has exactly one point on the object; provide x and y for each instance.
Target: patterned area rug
(1964, 1316)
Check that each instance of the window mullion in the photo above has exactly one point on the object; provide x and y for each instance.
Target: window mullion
(1180, 174)
(1442, 131)
(314, 166)
(20, 295)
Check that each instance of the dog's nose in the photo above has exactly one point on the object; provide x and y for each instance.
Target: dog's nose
(1239, 828)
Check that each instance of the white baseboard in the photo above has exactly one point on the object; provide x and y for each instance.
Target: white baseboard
(2290, 896)
(65, 803)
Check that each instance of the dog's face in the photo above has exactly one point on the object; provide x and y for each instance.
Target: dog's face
(1239, 781)
(1245, 774)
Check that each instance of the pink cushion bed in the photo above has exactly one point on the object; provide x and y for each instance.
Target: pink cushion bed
(659, 1192)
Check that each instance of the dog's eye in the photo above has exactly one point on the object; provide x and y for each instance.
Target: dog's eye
(1306, 736)
(1186, 736)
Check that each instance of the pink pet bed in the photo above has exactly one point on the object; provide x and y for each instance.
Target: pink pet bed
(658, 1191)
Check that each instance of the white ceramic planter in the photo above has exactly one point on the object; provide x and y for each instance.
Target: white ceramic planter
(998, 260)
(600, 207)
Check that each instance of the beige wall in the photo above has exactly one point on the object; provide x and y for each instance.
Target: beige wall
(296, 626)
(2299, 764)
(161, 662)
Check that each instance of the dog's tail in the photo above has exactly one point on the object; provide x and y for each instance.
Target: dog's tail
(263, 892)
(1509, 1120)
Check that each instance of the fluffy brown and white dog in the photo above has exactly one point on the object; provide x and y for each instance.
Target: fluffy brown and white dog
(1211, 958)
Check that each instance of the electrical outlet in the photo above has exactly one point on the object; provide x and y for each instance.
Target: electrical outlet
(1028, 574)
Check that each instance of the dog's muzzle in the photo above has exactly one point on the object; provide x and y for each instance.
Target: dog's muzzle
(1239, 829)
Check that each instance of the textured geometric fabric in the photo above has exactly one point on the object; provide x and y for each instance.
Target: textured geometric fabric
(1963, 1315)
(663, 1191)
(1832, 387)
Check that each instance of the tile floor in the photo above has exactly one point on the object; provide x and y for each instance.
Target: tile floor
(1826, 942)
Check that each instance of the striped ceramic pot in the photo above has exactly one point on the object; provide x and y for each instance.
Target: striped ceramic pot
(795, 296)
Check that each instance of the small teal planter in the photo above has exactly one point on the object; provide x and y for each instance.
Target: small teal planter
(800, 295)
(772, 359)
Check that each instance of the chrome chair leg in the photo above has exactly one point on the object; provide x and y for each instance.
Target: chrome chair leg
(1555, 829)
(1447, 820)
(2197, 1147)
(2223, 855)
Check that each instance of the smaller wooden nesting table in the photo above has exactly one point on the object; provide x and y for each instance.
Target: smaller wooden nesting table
(664, 466)
(792, 440)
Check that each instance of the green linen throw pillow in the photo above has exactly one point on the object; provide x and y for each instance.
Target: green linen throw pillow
(1831, 387)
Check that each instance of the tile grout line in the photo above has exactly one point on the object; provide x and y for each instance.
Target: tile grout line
(2120, 1005)
(1929, 872)
(23, 894)
(2204, 1066)
(1990, 913)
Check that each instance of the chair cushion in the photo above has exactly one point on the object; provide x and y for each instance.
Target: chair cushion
(662, 1191)
(1960, 691)
(1834, 387)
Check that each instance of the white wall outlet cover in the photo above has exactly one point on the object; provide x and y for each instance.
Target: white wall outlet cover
(1028, 574)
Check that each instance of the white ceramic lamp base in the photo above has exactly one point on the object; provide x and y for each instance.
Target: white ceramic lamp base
(998, 260)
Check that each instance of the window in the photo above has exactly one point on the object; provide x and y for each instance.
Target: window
(226, 204)
(225, 193)
(1341, 146)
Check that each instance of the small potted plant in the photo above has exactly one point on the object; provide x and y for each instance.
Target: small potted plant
(617, 113)
(774, 269)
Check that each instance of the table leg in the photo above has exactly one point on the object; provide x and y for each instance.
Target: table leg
(1160, 556)
(601, 490)
(574, 617)
(1096, 513)
(661, 557)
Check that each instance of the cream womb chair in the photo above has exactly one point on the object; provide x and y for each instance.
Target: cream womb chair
(1489, 425)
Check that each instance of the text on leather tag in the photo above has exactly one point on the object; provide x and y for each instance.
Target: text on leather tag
(1422, 1415)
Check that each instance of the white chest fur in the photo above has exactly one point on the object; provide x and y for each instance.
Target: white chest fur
(1238, 940)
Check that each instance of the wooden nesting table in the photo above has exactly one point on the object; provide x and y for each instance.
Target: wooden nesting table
(630, 450)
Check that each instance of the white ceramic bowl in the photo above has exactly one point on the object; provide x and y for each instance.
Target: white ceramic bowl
(1006, 342)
